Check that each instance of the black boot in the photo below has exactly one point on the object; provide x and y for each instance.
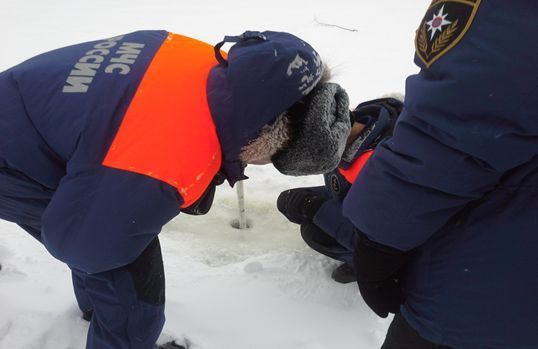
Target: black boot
(171, 345)
(344, 274)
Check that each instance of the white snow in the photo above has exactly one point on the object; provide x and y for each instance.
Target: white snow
(226, 289)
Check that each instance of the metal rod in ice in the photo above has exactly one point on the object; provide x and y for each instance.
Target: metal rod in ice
(241, 201)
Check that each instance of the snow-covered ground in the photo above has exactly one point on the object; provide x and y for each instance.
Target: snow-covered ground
(226, 289)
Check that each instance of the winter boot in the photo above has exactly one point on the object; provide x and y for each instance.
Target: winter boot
(170, 345)
(344, 274)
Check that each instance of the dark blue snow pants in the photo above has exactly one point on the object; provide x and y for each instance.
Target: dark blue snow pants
(127, 302)
(402, 336)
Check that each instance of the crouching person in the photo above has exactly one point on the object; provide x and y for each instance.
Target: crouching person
(318, 210)
(104, 142)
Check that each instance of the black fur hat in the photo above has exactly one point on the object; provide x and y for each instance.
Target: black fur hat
(318, 129)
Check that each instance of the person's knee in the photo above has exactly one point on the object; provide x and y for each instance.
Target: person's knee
(147, 272)
(299, 205)
(312, 234)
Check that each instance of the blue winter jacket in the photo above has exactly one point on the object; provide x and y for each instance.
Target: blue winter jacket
(99, 218)
(458, 181)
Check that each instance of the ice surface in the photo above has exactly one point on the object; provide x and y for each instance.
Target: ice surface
(226, 288)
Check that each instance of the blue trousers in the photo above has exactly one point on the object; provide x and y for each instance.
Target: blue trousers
(402, 336)
(329, 233)
(127, 302)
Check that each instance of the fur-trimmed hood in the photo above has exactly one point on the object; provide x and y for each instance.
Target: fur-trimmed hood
(264, 74)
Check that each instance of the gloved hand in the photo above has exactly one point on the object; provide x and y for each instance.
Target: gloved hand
(383, 113)
(373, 108)
(379, 117)
(378, 270)
(299, 204)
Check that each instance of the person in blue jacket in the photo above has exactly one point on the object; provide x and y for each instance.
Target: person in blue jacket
(447, 208)
(104, 142)
(318, 210)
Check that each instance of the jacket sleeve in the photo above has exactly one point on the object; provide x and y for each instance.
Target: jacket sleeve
(467, 120)
(103, 218)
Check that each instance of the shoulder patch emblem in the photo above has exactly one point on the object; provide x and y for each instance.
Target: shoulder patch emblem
(443, 26)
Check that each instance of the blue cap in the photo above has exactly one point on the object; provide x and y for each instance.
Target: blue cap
(264, 74)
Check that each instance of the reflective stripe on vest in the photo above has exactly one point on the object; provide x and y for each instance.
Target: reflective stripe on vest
(353, 171)
(167, 132)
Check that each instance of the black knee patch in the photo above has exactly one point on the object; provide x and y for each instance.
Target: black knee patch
(320, 242)
(311, 233)
(147, 272)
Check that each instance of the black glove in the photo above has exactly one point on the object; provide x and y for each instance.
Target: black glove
(204, 203)
(378, 270)
(299, 204)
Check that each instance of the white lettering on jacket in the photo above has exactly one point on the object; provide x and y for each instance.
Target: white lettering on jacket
(84, 71)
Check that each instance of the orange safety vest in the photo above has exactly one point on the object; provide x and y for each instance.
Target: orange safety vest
(353, 171)
(167, 132)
